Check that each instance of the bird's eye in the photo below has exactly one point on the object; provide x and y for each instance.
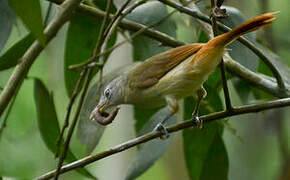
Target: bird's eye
(107, 93)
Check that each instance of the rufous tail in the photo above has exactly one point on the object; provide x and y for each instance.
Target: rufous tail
(246, 27)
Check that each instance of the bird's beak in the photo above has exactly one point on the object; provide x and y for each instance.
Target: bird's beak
(103, 106)
(102, 117)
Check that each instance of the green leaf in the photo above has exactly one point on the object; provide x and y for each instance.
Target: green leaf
(149, 152)
(147, 14)
(11, 56)
(6, 22)
(216, 165)
(102, 4)
(200, 146)
(29, 12)
(144, 47)
(82, 36)
(243, 88)
(90, 133)
(48, 123)
(142, 116)
(46, 115)
(197, 148)
(282, 67)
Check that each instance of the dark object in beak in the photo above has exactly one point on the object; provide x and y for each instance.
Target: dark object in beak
(103, 117)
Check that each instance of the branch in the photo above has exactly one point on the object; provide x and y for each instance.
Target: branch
(21, 70)
(149, 136)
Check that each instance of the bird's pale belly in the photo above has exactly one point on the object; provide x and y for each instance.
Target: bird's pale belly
(180, 82)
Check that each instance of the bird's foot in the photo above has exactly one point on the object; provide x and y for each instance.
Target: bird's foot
(160, 127)
(197, 122)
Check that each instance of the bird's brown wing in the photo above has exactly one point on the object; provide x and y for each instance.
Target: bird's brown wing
(151, 70)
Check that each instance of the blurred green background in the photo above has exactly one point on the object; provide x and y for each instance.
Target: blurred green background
(254, 152)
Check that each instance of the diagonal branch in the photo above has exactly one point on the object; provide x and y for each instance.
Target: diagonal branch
(152, 135)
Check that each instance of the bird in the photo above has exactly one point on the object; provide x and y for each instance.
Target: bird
(169, 76)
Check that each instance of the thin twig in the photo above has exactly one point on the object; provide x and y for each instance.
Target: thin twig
(100, 42)
(152, 135)
(69, 107)
(222, 66)
(48, 13)
(102, 31)
(111, 29)
(73, 124)
(118, 14)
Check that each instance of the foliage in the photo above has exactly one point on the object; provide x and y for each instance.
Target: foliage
(206, 151)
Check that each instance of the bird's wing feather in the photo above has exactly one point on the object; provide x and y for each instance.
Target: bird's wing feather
(151, 70)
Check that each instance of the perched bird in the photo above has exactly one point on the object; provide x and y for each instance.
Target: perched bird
(167, 77)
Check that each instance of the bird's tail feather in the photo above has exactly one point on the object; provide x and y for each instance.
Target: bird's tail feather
(246, 27)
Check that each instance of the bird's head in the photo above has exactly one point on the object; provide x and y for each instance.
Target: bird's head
(107, 108)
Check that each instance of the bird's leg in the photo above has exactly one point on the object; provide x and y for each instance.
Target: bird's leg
(201, 94)
(160, 127)
(173, 106)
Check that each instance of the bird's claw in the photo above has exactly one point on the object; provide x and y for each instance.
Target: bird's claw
(197, 122)
(219, 13)
(160, 127)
